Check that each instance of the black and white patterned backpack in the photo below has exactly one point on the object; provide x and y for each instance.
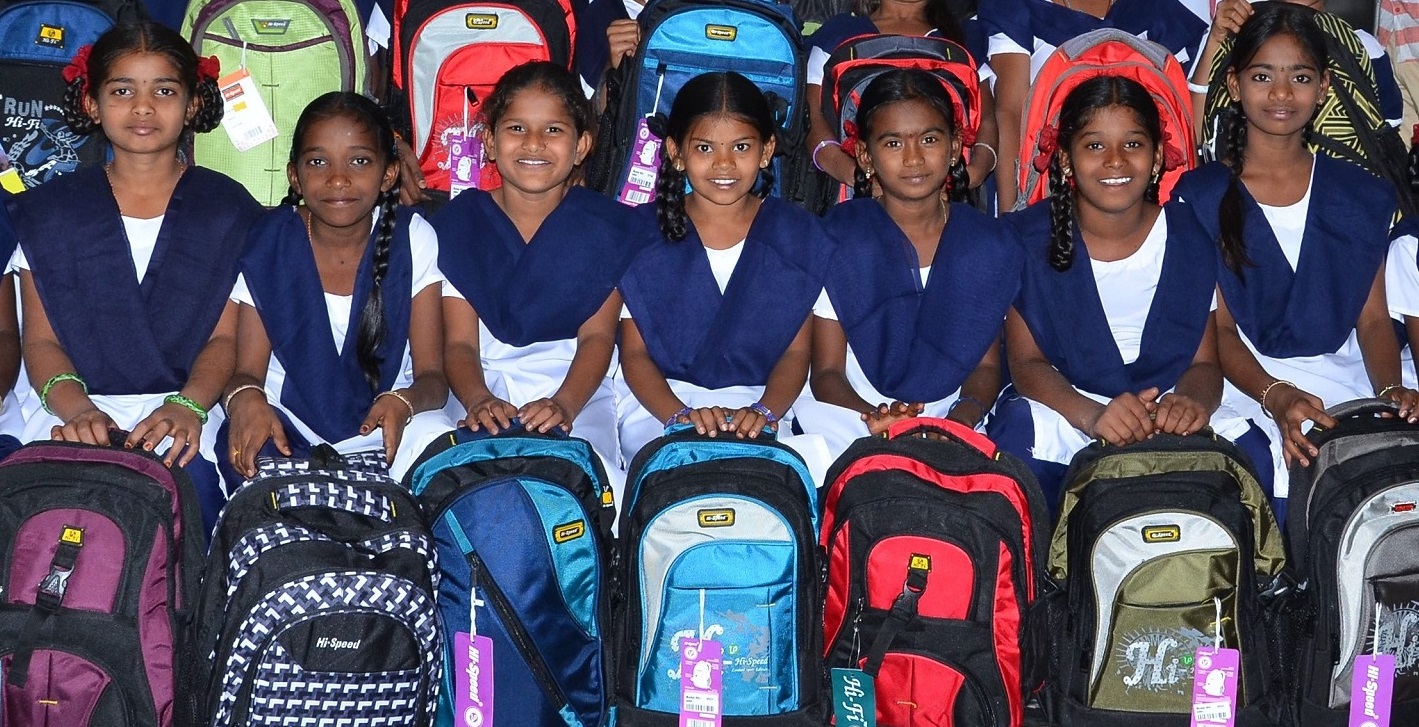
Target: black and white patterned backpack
(318, 603)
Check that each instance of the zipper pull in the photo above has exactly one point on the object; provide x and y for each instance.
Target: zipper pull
(857, 630)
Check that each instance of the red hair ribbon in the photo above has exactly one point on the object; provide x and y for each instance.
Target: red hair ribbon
(78, 68)
(1048, 145)
(208, 69)
(1172, 156)
(1415, 139)
(849, 145)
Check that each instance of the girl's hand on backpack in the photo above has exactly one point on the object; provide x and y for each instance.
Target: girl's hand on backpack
(411, 177)
(623, 36)
(544, 414)
(1228, 18)
(90, 427)
(710, 420)
(1408, 401)
(390, 414)
(490, 413)
(169, 420)
(253, 422)
(1178, 414)
(1126, 419)
(881, 419)
(1292, 408)
(747, 423)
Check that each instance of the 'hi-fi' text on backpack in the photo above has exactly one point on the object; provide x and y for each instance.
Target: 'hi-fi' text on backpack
(37, 39)
(318, 603)
(522, 522)
(1112, 52)
(935, 575)
(718, 544)
(1154, 540)
(1353, 528)
(449, 54)
(295, 51)
(100, 559)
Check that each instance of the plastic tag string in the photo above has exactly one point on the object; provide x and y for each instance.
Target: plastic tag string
(1217, 626)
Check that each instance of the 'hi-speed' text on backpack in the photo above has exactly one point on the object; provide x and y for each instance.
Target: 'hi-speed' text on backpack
(1153, 540)
(522, 522)
(1353, 528)
(936, 574)
(295, 51)
(718, 543)
(100, 559)
(318, 603)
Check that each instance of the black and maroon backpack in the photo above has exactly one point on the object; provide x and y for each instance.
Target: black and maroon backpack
(936, 546)
(101, 553)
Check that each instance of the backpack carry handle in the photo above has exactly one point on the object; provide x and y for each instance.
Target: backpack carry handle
(954, 430)
(1360, 408)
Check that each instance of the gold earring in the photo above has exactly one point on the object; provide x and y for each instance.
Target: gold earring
(679, 166)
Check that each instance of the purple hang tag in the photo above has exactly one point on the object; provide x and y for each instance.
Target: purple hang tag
(1214, 687)
(472, 680)
(1372, 691)
(701, 683)
(645, 168)
(465, 162)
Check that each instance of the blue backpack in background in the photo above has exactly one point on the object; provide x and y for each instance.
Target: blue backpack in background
(522, 526)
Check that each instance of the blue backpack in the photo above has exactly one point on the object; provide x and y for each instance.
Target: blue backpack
(719, 541)
(522, 526)
(681, 39)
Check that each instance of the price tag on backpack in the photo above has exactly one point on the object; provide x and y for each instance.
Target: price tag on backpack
(854, 698)
(465, 162)
(701, 683)
(245, 117)
(1372, 690)
(645, 167)
(1214, 686)
(472, 680)
(10, 181)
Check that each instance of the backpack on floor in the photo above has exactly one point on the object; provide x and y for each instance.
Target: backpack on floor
(522, 523)
(1152, 540)
(449, 54)
(1353, 528)
(318, 605)
(100, 559)
(936, 551)
(681, 39)
(1350, 124)
(38, 38)
(1110, 52)
(718, 544)
(295, 51)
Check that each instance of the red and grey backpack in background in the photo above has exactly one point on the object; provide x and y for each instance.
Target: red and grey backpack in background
(936, 547)
(100, 559)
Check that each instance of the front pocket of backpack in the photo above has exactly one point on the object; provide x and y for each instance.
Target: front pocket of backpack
(1148, 666)
(917, 689)
(284, 693)
(1398, 598)
(61, 689)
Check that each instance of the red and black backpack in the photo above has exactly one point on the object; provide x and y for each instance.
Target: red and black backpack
(936, 545)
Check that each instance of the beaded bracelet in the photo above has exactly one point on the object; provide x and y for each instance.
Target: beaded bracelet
(183, 401)
(768, 415)
(1267, 390)
(395, 393)
(676, 417)
(55, 379)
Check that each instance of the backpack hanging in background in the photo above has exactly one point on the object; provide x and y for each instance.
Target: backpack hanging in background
(38, 38)
(717, 544)
(318, 605)
(1153, 540)
(522, 523)
(682, 39)
(936, 554)
(447, 57)
(1110, 52)
(100, 560)
(1353, 528)
(295, 51)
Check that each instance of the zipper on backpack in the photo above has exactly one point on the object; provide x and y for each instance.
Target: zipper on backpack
(521, 640)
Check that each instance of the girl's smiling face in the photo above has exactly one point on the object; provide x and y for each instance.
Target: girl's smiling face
(722, 156)
(535, 143)
(909, 149)
(340, 171)
(1280, 87)
(1112, 160)
(142, 106)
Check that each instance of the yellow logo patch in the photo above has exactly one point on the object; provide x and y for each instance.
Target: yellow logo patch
(1162, 534)
(920, 562)
(569, 532)
(480, 21)
(50, 35)
(716, 518)
(721, 32)
(72, 535)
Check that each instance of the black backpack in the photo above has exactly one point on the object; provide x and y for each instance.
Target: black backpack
(318, 605)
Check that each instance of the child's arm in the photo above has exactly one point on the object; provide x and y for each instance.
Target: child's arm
(645, 379)
(1380, 349)
(828, 379)
(979, 390)
(984, 153)
(9, 335)
(1124, 420)
(1277, 397)
(783, 388)
(829, 157)
(1227, 19)
(1012, 86)
(251, 417)
(210, 373)
(463, 364)
(595, 341)
(1189, 406)
(45, 358)
(429, 389)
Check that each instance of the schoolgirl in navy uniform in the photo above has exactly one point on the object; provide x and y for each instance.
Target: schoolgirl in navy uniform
(340, 336)
(1301, 318)
(716, 327)
(124, 267)
(910, 321)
